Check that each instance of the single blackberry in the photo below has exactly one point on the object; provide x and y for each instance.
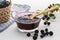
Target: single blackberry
(36, 31)
(42, 31)
(48, 18)
(43, 18)
(49, 7)
(7, 3)
(34, 37)
(46, 29)
(28, 34)
(50, 33)
(45, 23)
(48, 23)
(36, 34)
(42, 36)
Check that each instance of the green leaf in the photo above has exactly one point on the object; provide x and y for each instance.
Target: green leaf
(58, 5)
(38, 11)
(53, 17)
(50, 15)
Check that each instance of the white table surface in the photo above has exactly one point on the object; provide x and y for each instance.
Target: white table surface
(13, 34)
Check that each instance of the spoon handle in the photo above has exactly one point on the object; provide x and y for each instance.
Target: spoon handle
(45, 11)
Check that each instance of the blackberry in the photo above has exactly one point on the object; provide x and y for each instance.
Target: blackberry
(48, 18)
(50, 33)
(45, 23)
(43, 18)
(46, 30)
(28, 34)
(42, 31)
(36, 31)
(7, 3)
(49, 7)
(48, 23)
(42, 36)
(34, 37)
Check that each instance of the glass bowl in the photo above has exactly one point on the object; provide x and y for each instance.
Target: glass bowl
(25, 25)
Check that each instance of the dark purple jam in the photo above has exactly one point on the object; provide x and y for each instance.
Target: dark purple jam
(25, 23)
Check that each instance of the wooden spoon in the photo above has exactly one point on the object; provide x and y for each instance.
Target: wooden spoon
(45, 11)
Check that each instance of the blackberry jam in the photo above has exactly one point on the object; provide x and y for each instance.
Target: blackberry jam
(25, 23)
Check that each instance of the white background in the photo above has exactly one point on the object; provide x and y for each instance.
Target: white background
(36, 4)
(13, 34)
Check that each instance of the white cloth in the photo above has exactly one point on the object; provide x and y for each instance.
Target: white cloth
(1, 0)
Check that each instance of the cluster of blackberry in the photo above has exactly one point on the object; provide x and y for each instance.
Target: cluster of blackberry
(46, 18)
(35, 35)
(4, 4)
(43, 34)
